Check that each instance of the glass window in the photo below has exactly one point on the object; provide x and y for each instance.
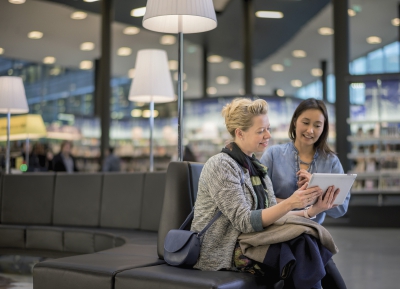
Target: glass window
(375, 61)
(359, 66)
(331, 88)
(357, 93)
(392, 54)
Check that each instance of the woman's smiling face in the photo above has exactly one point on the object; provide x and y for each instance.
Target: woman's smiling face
(256, 138)
(309, 126)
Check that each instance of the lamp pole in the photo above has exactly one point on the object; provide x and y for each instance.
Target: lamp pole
(8, 143)
(151, 135)
(180, 94)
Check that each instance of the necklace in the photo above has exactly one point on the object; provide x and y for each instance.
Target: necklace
(304, 163)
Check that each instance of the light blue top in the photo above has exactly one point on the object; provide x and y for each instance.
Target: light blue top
(283, 164)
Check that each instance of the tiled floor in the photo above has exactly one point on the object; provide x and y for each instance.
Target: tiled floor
(368, 259)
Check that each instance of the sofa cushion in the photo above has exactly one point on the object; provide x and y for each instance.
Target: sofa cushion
(79, 241)
(77, 199)
(46, 238)
(12, 236)
(179, 278)
(121, 200)
(103, 242)
(153, 197)
(27, 199)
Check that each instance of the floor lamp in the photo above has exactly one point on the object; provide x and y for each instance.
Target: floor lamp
(12, 101)
(179, 17)
(152, 83)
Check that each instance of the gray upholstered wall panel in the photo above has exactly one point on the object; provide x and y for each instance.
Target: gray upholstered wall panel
(121, 200)
(79, 242)
(77, 199)
(44, 238)
(153, 197)
(12, 236)
(27, 199)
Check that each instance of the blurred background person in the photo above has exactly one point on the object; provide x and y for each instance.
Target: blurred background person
(64, 161)
(112, 163)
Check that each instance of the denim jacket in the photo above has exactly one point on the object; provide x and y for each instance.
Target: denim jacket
(283, 164)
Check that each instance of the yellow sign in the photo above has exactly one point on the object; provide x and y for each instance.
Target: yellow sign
(23, 127)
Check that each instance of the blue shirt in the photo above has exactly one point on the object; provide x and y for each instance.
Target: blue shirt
(283, 164)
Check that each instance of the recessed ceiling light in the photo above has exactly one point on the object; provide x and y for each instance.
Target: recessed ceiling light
(138, 12)
(296, 83)
(1, 50)
(185, 86)
(222, 80)
(87, 46)
(299, 53)
(325, 31)
(136, 113)
(131, 73)
(131, 30)
(176, 76)
(277, 67)
(260, 81)
(146, 113)
(124, 51)
(280, 92)
(211, 90)
(241, 91)
(395, 22)
(351, 12)
(78, 15)
(215, 59)
(35, 35)
(316, 72)
(17, 1)
(86, 64)
(236, 65)
(269, 14)
(374, 40)
(167, 40)
(49, 60)
(173, 65)
(90, 0)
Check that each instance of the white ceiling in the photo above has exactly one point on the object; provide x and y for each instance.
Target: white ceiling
(63, 36)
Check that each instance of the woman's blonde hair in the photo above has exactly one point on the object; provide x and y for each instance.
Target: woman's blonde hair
(240, 112)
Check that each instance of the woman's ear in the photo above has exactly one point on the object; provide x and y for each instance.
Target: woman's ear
(238, 133)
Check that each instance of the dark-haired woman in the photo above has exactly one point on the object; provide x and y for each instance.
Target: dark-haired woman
(290, 166)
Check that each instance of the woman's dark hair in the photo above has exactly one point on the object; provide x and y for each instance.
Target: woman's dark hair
(312, 103)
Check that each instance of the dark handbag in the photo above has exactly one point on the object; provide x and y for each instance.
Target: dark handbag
(181, 247)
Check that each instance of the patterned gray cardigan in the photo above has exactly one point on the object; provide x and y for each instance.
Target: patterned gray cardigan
(219, 188)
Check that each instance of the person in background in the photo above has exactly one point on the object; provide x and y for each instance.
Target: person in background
(112, 163)
(64, 161)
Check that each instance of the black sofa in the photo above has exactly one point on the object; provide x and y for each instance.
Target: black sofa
(111, 221)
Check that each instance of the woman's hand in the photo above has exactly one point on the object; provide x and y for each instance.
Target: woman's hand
(304, 197)
(304, 177)
(324, 202)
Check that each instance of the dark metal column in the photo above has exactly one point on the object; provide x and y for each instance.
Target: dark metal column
(104, 72)
(324, 80)
(205, 67)
(248, 18)
(341, 67)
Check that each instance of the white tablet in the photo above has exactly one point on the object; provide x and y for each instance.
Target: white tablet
(340, 181)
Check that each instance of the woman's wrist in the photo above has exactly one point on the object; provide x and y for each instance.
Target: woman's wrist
(310, 212)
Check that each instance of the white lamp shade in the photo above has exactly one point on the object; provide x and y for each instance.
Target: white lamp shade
(12, 95)
(186, 16)
(152, 80)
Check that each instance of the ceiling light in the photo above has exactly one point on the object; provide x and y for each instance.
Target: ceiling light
(17, 1)
(296, 83)
(86, 64)
(87, 46)
(211, 90)
(325, 31)
(351, 12)
(176, 76)
(215, 59)
(185, 86)
(131, 73)
(55, 71)
(136, 113)
(241, 91)
(131, 30)
(222, 80)
(138, 12)
(259, 81)
(317, 72)
(277, 67)
(173, 65)
(35, 35)
(1, 50)
(395, 22)
(167, 40)
(236, 65)
(280, 92)
(78, 15)
(90, 0)
(49, 60)
(299, 53)
(374, 40)
(124, 51)
(146, 113)
(269, 14)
